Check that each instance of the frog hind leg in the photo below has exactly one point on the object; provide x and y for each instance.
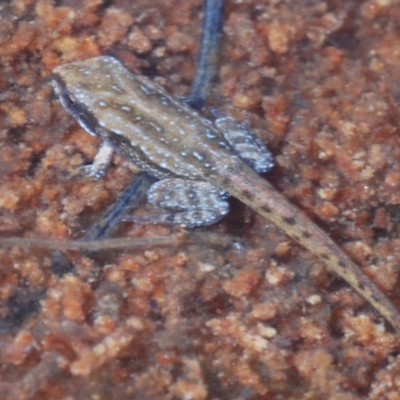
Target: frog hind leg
(195, 203)
(246, 144)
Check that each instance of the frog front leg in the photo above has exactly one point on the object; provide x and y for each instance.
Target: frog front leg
(195, 203)
(88, 122)
(101, 161)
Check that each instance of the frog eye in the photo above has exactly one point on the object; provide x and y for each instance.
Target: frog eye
(71, 104)
(78, 111)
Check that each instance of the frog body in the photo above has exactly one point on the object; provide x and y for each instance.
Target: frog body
(193, 156)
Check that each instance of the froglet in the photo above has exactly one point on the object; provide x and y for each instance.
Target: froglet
(198, 163)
